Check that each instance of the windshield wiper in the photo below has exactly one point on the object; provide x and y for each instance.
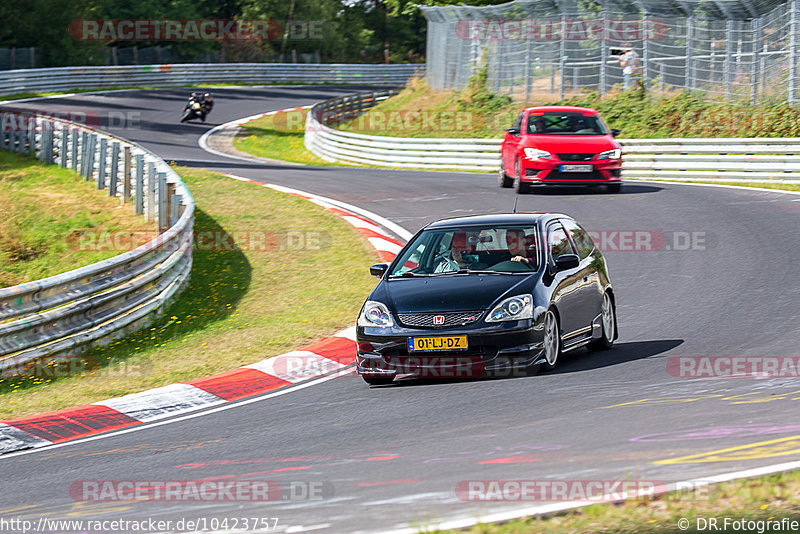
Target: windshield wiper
(407, 274)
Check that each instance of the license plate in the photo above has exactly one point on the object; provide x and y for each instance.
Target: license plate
(428, 344)
(576, 168)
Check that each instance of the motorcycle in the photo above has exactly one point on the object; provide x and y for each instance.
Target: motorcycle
(194, 109)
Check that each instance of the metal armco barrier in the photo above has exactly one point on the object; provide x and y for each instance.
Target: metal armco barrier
(428, 153)
(70, 78)
(720, 159)
(56, 318)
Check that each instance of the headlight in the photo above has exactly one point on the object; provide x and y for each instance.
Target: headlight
(534, 153)
(610, 154)
(512, 309)
(375, 314)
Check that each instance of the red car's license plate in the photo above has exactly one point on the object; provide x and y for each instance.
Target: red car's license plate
(576, 168)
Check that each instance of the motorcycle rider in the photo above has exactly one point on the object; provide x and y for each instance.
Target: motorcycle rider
(205, 100)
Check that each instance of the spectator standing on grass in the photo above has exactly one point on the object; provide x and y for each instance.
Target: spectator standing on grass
(628, 61)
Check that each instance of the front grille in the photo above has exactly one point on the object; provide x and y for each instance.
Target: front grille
(425, 320)
(575, 156)
(594, 175)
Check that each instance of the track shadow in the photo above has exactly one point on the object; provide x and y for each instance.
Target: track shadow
(580, 360)
(627, 189)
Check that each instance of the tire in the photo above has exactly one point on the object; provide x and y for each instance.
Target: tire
(613, 188)
(187, 115)
(608, 322)
(378, 380)
(519, 186)
(503, 179)
(552, 341)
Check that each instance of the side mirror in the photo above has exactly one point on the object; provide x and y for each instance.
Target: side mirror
(615, 132)
(567, 261)
(379, 269)
(513, 131)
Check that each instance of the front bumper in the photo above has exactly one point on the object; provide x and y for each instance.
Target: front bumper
(547, 171)
(495, 350)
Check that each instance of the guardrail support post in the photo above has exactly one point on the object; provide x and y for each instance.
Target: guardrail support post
(49, 146)
(113, 171)
(172, 205)
(73, 160)
(126, 174)
(138, 201)
(84, 153)
(3, 143)
(101, 164)
(64, 146)
(41, 154)
(90, 156)
(31, 146)
(163, 213)
(150, 193)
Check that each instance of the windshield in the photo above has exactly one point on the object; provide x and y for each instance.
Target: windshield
(565, 123)
(496, 249)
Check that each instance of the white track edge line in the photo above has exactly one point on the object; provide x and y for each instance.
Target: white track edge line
(464, 521)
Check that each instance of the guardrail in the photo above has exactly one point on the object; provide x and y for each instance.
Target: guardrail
(755, 159)
(71, 78)
(56, 318)
(427, 153)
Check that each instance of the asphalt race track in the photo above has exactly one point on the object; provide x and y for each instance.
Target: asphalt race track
(724, 283)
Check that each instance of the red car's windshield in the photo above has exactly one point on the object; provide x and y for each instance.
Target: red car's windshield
(565, 123)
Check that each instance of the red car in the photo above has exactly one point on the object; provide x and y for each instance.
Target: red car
(560, 145)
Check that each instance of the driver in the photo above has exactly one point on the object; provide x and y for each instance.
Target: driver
(521, 247)
(457, 260)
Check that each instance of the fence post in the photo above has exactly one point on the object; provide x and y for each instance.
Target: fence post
(64, 146)
(527, 69)
(603, 54)
(727, 71)
(149, 196)
(645, 50)
(794, 23)
(172, 207)
(126, 174)
(756, 79)
(49, 147)
(163, 222)
(3, 143)
(113, 172)
(562, 55)
(138, 204)
(101, 164)
(689, 82)
(73, 161)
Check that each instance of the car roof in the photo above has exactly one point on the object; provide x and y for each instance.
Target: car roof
(561, 109)
(495, 219)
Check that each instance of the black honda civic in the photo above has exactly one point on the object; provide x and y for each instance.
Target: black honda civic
(486, 295)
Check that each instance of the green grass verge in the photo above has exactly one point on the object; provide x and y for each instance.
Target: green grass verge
(766, 498)
(241, 305)
(762, 185)
(279, 137)
(43, 212)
